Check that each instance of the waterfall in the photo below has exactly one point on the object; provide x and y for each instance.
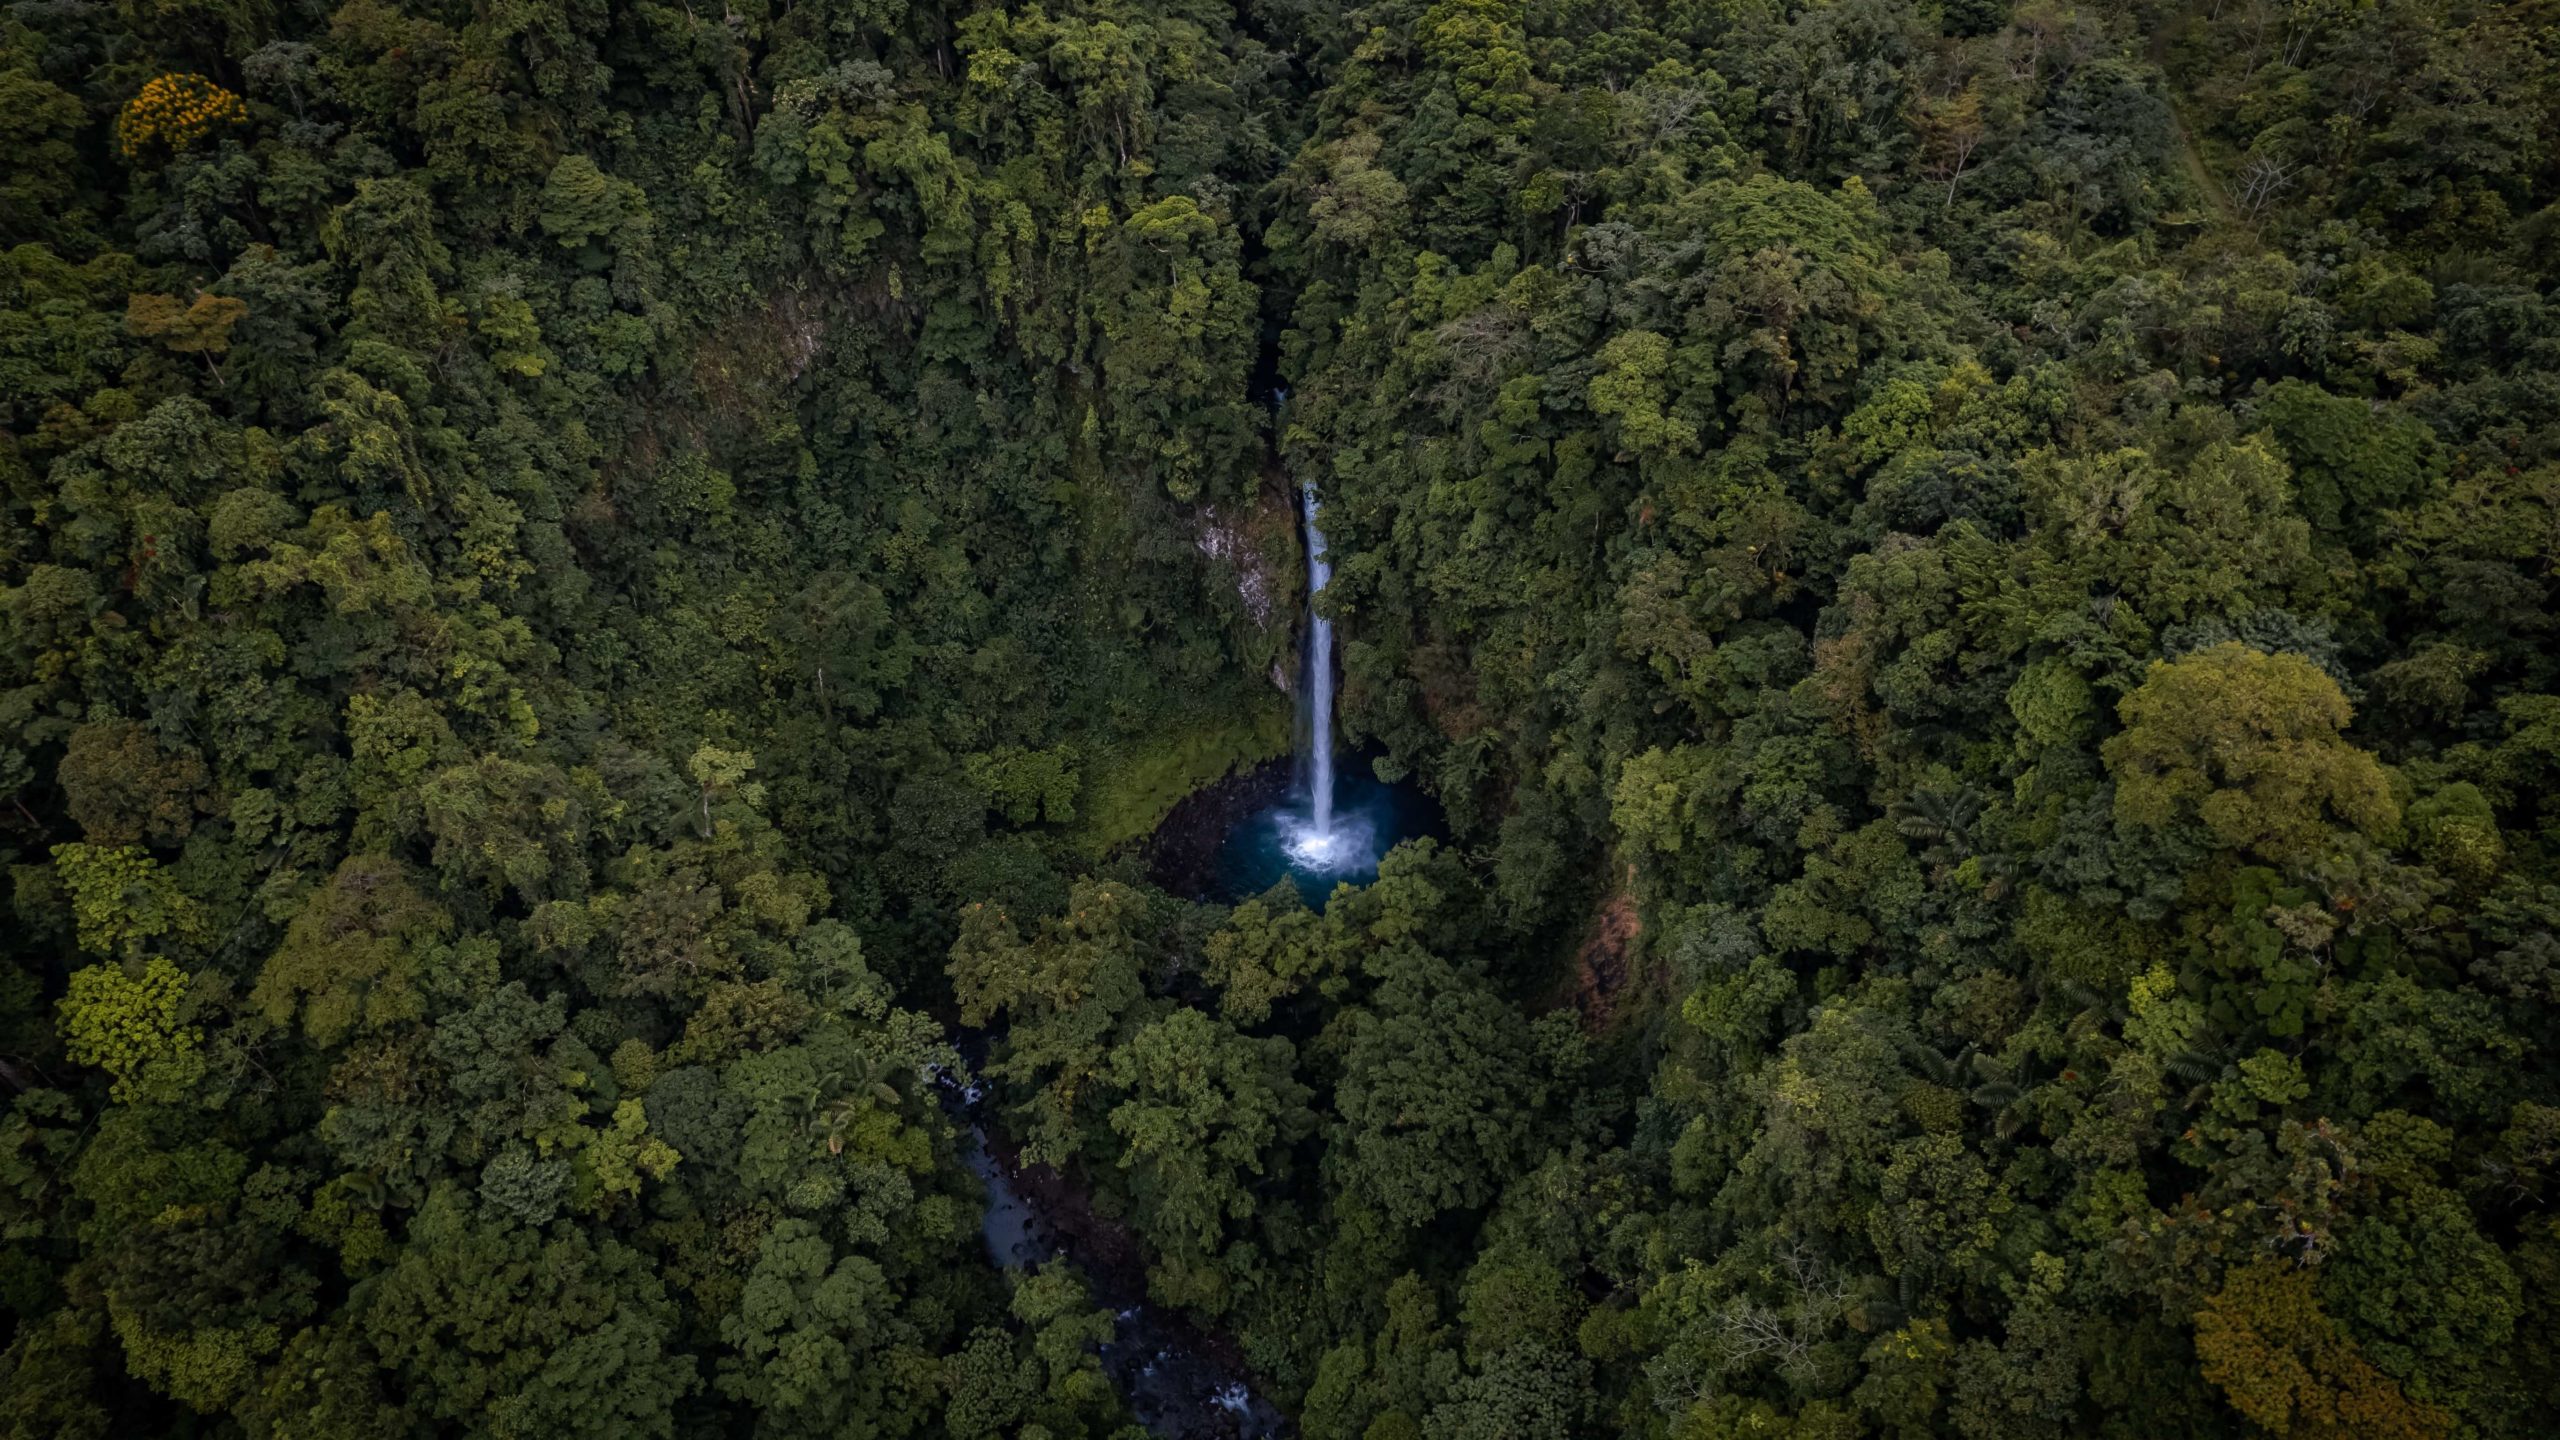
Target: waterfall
(1319, 686)
(1310, 841)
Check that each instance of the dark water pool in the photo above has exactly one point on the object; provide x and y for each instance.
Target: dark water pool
(1273, 843)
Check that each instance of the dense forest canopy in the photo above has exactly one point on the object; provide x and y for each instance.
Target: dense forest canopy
(593, 594)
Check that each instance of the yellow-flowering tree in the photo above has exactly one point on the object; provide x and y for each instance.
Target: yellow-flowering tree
(175, 111)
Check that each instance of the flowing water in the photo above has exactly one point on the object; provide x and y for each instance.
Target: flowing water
(1334, 830)
(1183, 1383)
(1369, 818)
(1174, 1385)
(1316, 844)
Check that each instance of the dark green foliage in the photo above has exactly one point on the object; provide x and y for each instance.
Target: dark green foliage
(579, 583)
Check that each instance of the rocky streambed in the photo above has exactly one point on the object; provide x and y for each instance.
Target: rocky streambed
(1184, 1381)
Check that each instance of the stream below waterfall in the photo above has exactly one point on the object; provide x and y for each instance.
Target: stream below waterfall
(1180, 1379)
(1230, 841)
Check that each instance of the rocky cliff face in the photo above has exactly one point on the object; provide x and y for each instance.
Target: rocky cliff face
(1256, 545)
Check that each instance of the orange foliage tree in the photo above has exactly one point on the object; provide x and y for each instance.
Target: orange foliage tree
(2285, 1364)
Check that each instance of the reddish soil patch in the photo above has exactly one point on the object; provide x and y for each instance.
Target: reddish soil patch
(1448, 679)
(1601, 968)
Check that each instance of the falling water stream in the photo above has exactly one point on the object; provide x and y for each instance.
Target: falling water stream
(1335, 829)
(1184, 1382)
(1315, 845)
